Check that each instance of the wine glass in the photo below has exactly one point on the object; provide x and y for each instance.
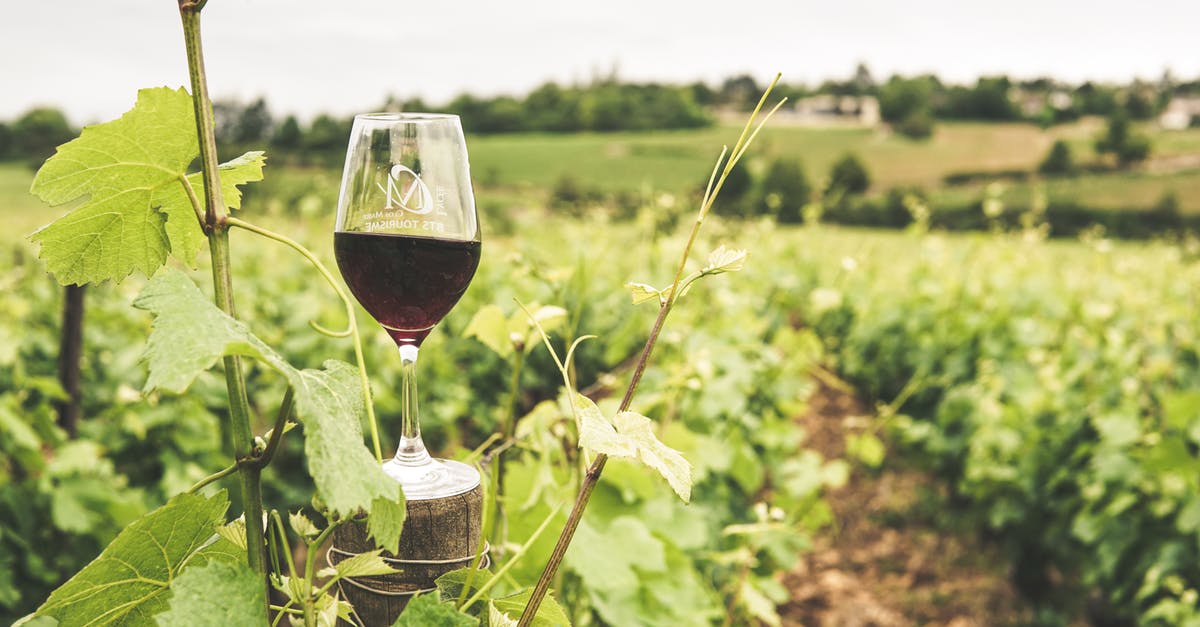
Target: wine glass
(407, 243)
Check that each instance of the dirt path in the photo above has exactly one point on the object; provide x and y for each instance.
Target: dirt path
(886, 563)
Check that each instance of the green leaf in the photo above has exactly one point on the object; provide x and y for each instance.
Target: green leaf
(598, 435)
(128, 581)
(549, 613)
(758, 605)
(119, 165)
(667, 461)
(606, 559)
(364, 565)
(640, 292)
(426, 611)
(190, 334)
(386, 521)
(216, 595)
(234, 533)
(725, 260)
(866, 448)
(631, 435)
(182, 228)
(497, 618)
(302, 525)
(450, 584)
(132, 172)
(490, 326)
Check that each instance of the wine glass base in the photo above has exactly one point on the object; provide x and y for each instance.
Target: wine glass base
(434, 479)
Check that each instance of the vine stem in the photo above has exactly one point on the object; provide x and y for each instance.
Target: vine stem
(218, 244)
(592, 476)
(310, 568)
(352, 319)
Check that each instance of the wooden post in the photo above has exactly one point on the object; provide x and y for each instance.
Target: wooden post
(70, 352)
(440, 535)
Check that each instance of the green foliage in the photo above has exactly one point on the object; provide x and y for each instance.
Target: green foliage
(848, 177)
(36, 134)
(1119, 140)
(917, 125)
(784, 191)
(427, 611)
(1058, 161)
(987, 100)
(734, 197)
(629, 435)
(130, 580)
(1059, 408)
(217, 594)
(190, 334)
(901, 98)
(134, 172)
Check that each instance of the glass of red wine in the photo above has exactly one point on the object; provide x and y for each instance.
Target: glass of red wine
(407, 242)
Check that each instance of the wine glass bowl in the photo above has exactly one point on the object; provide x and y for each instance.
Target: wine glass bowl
(407, 243)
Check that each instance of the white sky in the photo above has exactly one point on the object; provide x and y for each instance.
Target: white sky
(89, 57)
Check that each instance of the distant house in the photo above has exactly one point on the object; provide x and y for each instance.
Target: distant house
(1180, 113)
(828, 109)
(1032, 103)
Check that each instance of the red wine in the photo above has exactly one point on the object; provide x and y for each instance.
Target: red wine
(408, 284)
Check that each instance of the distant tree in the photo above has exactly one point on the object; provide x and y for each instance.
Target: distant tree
(732, 199)
(864, 83)
(1093, 99)
(502, 114)
(901, 97)
(604, 108)
(848, 177)
(38, 132)
(784, 191)
(907, 104)
(918, 125)
(741, 92)
(702, 94)
(6, 142)
(327, 133)
(990, 99)
(225, 115)
(288, 135)
(551, 108)
(1119, 140)
(1058, 160)
(1138, 105)
(470, 108)
(254, 123)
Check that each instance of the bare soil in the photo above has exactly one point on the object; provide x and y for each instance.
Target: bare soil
(886, 563)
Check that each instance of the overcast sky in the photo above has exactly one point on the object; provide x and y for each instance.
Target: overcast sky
(89, 57)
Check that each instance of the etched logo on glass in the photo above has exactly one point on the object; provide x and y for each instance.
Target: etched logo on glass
(405, 190)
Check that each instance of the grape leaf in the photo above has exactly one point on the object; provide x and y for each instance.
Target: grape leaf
(364, 565)
(183, 231)
(490, 326)
(549, 613)
(725, 260)
(497, 618)
(630, 435)
(132, 171)
(216, 595)
(426, 611)
(605, 558)
(640, 292)
(190, 334)
(128, 582)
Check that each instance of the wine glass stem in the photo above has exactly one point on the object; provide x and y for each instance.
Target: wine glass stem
(412, 450)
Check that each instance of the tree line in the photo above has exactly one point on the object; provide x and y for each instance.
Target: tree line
(911, 105)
